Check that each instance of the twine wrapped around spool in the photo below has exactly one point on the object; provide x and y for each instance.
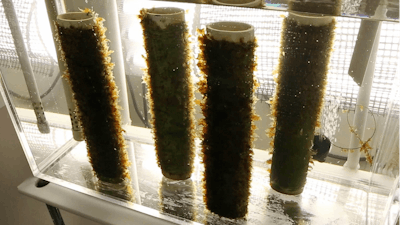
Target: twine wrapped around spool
(306, 45)
(227, 62)
(170, 94)
(89, 72)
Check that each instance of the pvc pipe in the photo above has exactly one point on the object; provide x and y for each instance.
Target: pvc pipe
(76, 129)
(113, 33)
(231, 31)
(110, 14)
(304, 19)
(27, 70)
(84, 45)
(362, 50)
(389, 137)
(165, 35)
(361, 111)
(195, 24)
(107, 9)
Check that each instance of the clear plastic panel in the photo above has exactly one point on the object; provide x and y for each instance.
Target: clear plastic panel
(345, 8)
(332, 194)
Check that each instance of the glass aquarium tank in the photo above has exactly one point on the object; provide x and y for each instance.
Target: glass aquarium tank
(211, 112)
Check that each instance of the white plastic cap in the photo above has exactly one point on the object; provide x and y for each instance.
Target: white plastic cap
(231, 31)
(166, 16)
(239, 3)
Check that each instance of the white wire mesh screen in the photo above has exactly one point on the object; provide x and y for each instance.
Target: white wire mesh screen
(267, 26)
(340, 85)
(34, 25)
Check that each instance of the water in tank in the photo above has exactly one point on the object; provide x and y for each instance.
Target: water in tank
(211, 112)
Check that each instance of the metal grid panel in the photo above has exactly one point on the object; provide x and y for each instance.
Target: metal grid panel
(35, 31)
(43, 145)
(268, 28)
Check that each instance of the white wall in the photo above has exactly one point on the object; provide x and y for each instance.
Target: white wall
(15, 208)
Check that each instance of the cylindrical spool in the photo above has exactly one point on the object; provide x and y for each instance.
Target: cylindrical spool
(363, 49)
(227, 62)
(306, 45)
(170, 89)
(89, 71)
(26, 66)
(326, 7)
(79, 20)
(177, 198)
(231, 31)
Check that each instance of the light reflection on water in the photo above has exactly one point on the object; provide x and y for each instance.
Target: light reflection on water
(322, 202)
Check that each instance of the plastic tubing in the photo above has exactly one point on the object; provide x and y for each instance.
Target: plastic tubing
(26, 66)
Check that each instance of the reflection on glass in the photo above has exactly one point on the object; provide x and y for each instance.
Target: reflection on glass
(89, 72)
(121, 190)
(289, 208)
(177, 198)
(88, 176)
(214, 219)
(331, 194)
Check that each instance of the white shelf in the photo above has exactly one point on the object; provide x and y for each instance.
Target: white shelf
(92, 207)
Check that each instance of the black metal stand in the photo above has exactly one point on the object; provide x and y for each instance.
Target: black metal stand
(54, 212)
(55, 215)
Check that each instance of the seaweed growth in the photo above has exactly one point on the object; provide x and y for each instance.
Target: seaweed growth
(227, 87)
(171, 95)
(365, 145)
(296, 107)
(89, 72)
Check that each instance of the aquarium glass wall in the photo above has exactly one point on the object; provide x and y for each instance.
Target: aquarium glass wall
(211, 112)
